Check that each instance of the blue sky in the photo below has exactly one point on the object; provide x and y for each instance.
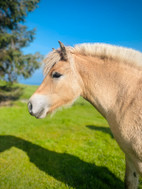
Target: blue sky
(107, 21)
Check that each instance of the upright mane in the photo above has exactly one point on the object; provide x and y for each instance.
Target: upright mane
(101, 50)
(126, 55)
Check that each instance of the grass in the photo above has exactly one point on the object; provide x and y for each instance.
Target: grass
(73, 149)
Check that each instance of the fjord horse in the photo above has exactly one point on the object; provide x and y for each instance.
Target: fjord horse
(107, 76)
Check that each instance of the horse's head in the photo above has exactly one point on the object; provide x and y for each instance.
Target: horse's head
(60, 86)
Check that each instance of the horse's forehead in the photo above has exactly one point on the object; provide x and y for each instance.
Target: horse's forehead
(61, 65)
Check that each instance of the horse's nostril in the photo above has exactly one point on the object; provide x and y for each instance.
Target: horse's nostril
(30, 107)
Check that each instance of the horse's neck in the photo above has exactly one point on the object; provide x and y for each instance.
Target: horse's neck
(103, 83)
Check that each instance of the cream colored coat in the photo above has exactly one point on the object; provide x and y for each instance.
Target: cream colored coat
(110, 78)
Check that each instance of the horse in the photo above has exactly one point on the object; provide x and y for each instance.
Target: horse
(110, 78)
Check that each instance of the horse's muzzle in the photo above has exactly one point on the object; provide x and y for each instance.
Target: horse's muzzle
(38, 106)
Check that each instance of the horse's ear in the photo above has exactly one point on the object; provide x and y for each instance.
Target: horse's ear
(63, 51)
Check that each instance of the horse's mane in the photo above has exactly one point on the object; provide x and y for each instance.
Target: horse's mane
(117, 53)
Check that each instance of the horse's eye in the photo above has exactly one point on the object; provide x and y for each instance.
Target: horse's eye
(56, 75)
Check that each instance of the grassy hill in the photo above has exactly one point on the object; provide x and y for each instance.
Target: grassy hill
(72, 149)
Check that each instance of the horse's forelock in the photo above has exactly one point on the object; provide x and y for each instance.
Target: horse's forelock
(50, 60)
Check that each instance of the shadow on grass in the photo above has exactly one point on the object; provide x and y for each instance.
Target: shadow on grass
(10, 93)
(64, 167)
(102, 129)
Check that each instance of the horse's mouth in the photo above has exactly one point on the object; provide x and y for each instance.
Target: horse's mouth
(40, 114)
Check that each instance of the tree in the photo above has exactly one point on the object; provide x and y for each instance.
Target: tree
(13, 37)
(15, 11)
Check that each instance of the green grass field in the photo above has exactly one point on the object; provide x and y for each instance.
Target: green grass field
(72, 149)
